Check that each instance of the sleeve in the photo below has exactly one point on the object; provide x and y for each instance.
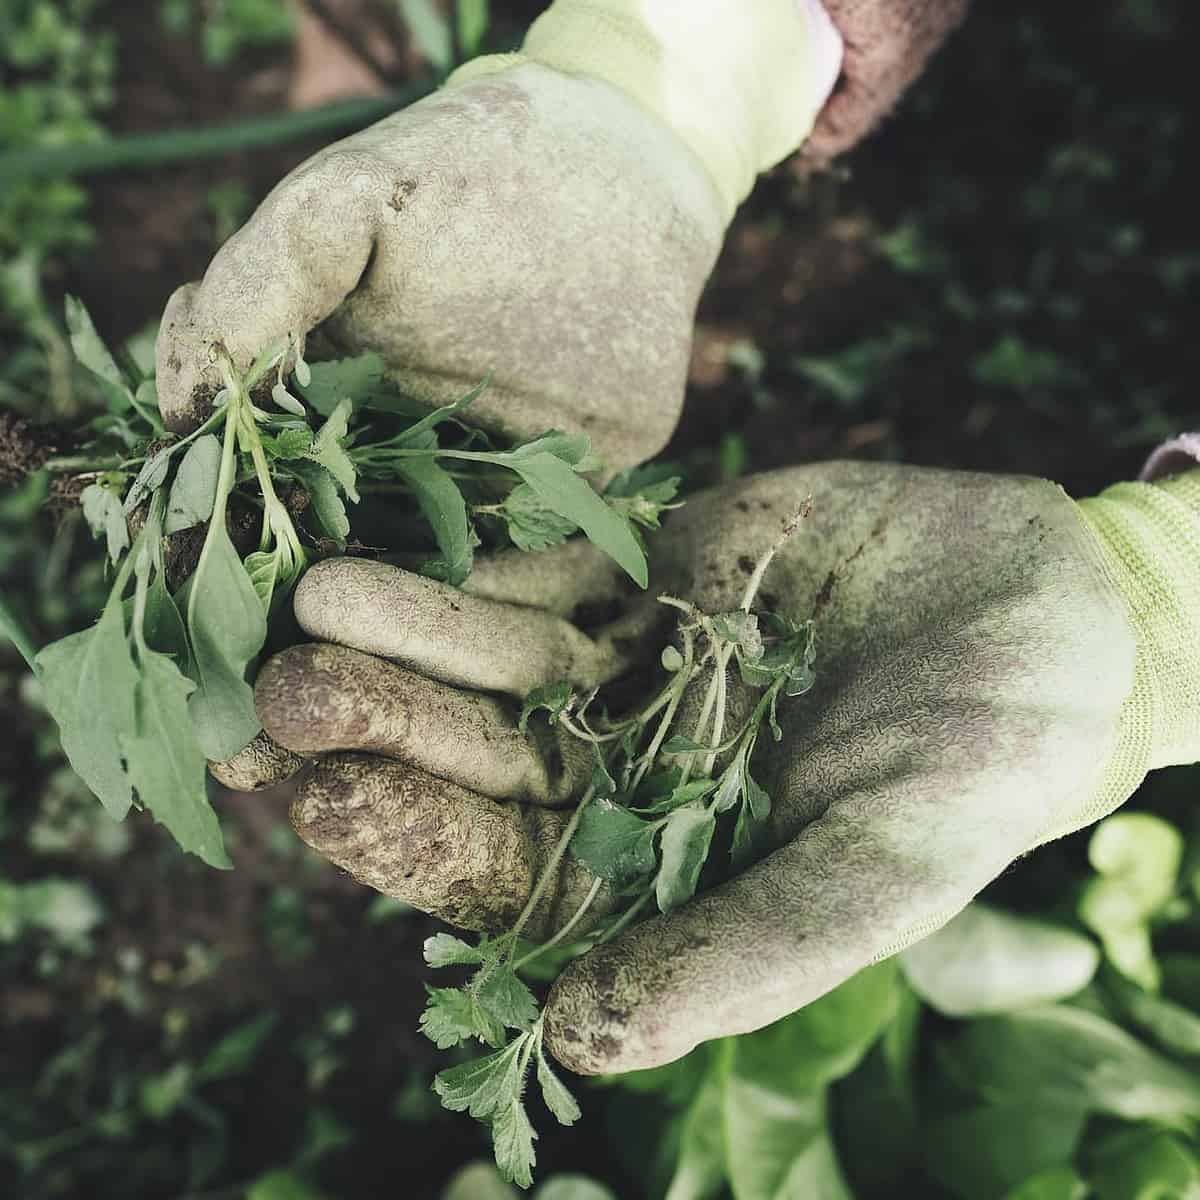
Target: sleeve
(740, 81)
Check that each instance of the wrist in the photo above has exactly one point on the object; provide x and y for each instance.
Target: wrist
(740, 82)
(1149, 536)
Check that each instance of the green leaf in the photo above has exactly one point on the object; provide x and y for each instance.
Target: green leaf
(483, 1086)
(445, 950)
(1138, 856)
(558, 1100)
(1054, 1183)
(166, 764)
(684, 847)
(282, 1185)
(149, 479)
(573, 1187)
(1145, 1164)
(443, 506)
(89, 681)
(986, 1151)
(613, 843)
(512, 1142)
(987, 961)
(290, 443)
(326, 503)
(532, 526)
(105, 518)
(415, 436)
(354, 379)
(162, 626)
(680, 744)
(554, 698)
(701, 1163)
(473, 20)
(285, 400)
(228, 627)
(195, 488)
(562, 490)
(642, 494)
(161, 1095)
(328, 451)
(1070, 1058)
(430, 32)
(506, 999)
(93, 354)
(263, 568)
(453, 1015)
(1170, 1024)
(236, 1051)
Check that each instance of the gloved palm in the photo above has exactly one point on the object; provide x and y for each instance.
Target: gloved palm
(531, 225)
(972, 664)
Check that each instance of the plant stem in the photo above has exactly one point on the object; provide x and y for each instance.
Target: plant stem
(755, 581)
(625, 918)
(576, 917)
(550, 868)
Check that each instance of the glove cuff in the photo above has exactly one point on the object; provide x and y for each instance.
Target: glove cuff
(739, 81)
(1149, 536)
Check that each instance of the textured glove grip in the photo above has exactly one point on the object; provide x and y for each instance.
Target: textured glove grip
(740, 81)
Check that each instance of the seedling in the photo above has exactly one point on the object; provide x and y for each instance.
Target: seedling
(162, 682)
(644, 826)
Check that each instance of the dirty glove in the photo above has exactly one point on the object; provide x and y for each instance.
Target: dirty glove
(997, 665)
(548, 218)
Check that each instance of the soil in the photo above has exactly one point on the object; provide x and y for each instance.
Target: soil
(806, 272)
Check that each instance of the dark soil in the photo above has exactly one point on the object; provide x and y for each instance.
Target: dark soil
(1043, 164)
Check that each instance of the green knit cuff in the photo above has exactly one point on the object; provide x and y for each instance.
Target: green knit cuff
(1149, 534)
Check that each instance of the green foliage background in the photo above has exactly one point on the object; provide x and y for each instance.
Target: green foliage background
(1002, 280)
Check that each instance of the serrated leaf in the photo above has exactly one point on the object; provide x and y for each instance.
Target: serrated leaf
(568, 494)
(165, 762)
(289, 443)
(512, 1142)
(613, 843)
(453, 1015)
(683, 848)
(353, 379)
(445, 950)
(89, 681)
(740, 628)
(443, 506)
(558, 1099)
(195, 488)
(328, 451)
(553, 698)
(506, 999)
(484, 1085)
(105, 517)
(531, 525)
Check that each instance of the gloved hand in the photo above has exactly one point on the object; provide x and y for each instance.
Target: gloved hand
(548, 218)
(997, 666)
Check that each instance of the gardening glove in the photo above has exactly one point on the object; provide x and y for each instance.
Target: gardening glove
(997, 666)
(548, 218)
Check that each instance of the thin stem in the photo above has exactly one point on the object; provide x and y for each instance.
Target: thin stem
(755, 580)
(626, 917)
(683, 677)
(550, 868)
(578, 915)
(719, 720)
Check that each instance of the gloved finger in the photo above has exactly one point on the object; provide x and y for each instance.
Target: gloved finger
(844, 892)
(319, 697)
(261, 765)
(574, 580)
(279, 276)
(464, 640)
(440, 847)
